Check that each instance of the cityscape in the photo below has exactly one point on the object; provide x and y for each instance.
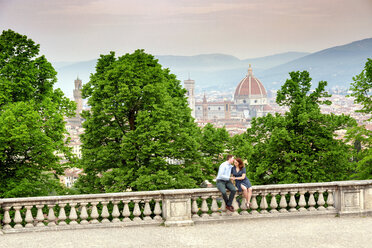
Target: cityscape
(219, 109)
(187, 123)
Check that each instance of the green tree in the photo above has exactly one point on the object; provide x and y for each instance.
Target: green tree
(362, 88)
(31, 119)
(139, 120)
(299, 146)
(213, 145)
(240, 146)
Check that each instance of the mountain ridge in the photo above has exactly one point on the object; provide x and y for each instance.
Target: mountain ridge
(218, 71)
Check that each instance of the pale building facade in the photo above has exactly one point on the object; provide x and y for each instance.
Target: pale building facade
(190, 94)
(77, 96)
(250, 100)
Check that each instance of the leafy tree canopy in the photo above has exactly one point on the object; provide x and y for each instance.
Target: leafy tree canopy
(299, 146)
(213, 145)
(362, 91)
(139, 133)
(362, 88)
(31, 119)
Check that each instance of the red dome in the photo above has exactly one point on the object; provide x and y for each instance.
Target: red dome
(250, 86)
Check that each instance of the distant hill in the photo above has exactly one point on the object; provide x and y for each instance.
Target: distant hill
(208, 70)
(337, 65)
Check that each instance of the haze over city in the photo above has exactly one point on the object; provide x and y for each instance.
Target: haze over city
(77, 30)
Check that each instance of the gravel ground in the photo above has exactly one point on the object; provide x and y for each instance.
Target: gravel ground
(319, 232)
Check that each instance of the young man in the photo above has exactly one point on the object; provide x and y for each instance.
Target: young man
(223, 181)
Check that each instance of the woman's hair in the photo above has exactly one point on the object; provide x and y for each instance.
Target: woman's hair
(240, 162)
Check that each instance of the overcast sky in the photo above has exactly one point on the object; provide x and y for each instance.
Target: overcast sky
(75, 30)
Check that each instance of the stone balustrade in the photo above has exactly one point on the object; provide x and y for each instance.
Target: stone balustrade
(183, 207)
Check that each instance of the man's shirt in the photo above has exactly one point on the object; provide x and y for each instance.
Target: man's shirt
(224, 171)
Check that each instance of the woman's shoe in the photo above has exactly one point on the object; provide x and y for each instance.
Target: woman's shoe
(248, 205)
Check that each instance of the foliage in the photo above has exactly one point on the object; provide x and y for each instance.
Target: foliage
(139, 121)
(213, 144)
(31, 119)
(240, 146)
(362, 88)
(362, 139)
(299, 146)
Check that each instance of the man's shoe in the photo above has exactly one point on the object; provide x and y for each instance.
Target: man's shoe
(230, 208)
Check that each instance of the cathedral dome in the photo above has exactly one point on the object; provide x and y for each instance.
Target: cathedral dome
(250, 87)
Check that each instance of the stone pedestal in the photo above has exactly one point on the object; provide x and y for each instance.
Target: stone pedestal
(354, 198)
(177, 207)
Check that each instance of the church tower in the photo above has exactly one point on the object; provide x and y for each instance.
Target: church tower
(190, 87)
(77, 96)
(205, 108)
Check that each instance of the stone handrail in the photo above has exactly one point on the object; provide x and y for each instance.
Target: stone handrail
(183, 206)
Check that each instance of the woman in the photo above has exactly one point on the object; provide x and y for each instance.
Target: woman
(241, 180)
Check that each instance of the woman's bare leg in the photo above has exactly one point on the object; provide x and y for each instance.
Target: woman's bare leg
(249, 195)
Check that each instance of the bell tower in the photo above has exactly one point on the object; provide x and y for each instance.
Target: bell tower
(190, 94)
(77, 96)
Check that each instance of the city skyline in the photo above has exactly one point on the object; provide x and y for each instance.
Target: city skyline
(81, 30)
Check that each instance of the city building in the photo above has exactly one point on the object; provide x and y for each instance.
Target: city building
(250, 100)
(75, 129)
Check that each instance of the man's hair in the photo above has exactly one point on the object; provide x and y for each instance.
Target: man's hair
(229, 156)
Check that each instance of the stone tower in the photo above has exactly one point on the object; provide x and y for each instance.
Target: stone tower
(77, 96)
(205, 108)
(190, 87)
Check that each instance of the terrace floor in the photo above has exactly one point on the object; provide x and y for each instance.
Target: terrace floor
(317, 232)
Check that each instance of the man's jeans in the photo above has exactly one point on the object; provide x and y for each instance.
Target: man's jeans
(222, 185)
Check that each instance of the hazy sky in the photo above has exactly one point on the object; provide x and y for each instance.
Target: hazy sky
(75, 30)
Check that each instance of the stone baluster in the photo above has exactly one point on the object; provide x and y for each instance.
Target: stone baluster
(204, 207)
(254, 205)
(147, 211)
(194, 207)
(29, 218)
(312, 202)
(7, 218)
(136, 211)
(51, 216)
(126, 211)
(292, 202)
(235, 205)
(283, 203)
(17, 217)
(94, 214)
(243, 206)
(115, 212)
(62, 214)
(40, 216)
(321, 201)
(263, 204)
(105, 214)
(223, 207)
(157, 210)
(84, 213)
(235, 202)
(302, 201)
(330, 200)
(73, 215)
(273, 203)
(214, 206)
